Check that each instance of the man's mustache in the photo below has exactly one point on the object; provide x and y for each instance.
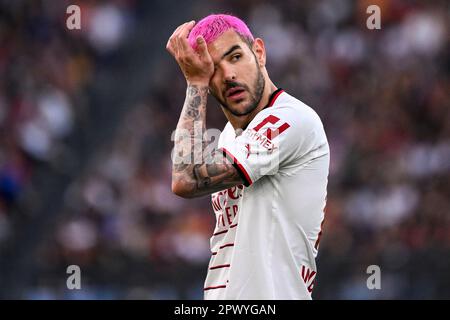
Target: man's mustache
(233, 84)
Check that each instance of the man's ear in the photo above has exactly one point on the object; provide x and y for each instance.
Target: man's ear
(260, 51)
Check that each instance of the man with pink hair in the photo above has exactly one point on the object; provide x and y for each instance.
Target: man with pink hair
(268, 175)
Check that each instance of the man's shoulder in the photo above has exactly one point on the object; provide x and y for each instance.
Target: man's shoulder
(290, 104)
(289, 109)
(225, 134)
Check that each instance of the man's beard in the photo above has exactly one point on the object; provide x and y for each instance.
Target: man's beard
(255, 97)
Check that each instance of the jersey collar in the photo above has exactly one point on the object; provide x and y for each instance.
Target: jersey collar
(271, 102)
(273, 97)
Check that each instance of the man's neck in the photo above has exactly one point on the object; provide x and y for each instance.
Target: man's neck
(242, 121)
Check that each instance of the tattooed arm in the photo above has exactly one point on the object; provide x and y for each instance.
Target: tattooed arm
(194, 173)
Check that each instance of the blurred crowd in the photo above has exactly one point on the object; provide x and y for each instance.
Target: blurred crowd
(384, 99)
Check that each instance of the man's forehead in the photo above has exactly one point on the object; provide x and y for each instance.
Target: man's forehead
(224, 42)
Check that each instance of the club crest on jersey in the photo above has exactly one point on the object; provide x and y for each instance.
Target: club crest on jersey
(247, 146)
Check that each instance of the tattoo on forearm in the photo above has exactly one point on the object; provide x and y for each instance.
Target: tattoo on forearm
(209, 175)
(192, 115)
(193, 108)
(202, 177)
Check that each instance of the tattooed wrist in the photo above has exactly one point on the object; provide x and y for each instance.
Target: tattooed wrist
(195, 104)
(198, 83)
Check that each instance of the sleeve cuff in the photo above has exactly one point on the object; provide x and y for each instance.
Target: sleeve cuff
(239, 167)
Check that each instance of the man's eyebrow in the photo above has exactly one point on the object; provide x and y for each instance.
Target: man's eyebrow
(235, 47)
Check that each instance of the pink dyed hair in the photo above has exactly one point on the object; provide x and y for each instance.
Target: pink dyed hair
(214, 25)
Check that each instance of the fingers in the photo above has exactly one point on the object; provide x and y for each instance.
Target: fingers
(196, 65)
(202, 47)
(183, 34)
(172, 44)
(178, 40)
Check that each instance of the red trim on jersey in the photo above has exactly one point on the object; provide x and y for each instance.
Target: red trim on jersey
(215, 287)
(220, 232)
(226, 245)
(221, 247)
(272, 101)
(238, 166)
(220, 266)
(225, 231)
(319, 236)
(316, 245)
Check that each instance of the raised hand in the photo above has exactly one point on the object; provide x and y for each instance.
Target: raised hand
(196, 65)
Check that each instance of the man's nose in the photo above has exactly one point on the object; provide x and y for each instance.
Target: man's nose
(229, 74)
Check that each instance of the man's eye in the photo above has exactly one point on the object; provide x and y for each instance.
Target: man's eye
(236, 57)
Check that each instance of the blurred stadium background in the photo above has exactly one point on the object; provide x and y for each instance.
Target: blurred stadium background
(86, 118)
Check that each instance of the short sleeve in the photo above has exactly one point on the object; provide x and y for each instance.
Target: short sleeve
(276, 137)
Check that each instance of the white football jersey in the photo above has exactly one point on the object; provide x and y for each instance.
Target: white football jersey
(267, 232)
